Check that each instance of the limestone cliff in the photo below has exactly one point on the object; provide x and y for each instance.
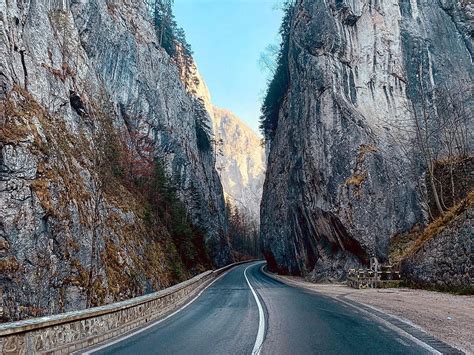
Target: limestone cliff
(82, 81)
(338, 185)
(241, 162)
(240, 157)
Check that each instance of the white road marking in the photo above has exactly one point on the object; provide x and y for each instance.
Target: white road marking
(152, 324)
(402, 342)
(379, 319)
(261, 318)
(393, 327)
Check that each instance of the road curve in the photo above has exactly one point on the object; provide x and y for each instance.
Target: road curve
(225, 319)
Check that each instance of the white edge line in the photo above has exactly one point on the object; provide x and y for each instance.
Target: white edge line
(387, 324)
(91, 351)
(393, 327)
(261, 318)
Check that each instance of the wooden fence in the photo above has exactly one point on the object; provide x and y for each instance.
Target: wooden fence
(381, 277)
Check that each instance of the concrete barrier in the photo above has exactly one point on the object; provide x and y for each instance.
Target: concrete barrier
(73, 331)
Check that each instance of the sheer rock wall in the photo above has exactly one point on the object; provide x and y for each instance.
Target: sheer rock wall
(337, 184)
(73, 75)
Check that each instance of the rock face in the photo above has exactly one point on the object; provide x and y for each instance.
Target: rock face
(240, 158)
(446, 261)
(337, 183)
(75, 76)
(241, 165)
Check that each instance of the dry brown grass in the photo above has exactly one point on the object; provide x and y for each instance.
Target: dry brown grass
(9, 265)
(438, 225)
(15, 117)
(79, 277)
(41, 189)
(121, 284)
(4, 245)
(69, 153)
(32, 311)
(13, 132)
(366, 148)
(63, 73)
(356, 179)
(359, 175)
(137, 250)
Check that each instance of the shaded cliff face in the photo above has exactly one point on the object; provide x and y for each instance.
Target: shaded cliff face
(77, 78)
(241, 165)
(338, 185)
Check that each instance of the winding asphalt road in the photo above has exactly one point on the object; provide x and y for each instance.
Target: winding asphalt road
(246, 312)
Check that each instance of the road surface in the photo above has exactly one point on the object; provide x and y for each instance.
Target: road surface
(228, 319)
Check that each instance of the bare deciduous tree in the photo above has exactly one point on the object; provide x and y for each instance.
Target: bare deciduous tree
(455, 117)
(436, 131)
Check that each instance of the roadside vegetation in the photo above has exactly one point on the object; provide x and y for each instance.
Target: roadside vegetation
(404, 245)
(134, 164)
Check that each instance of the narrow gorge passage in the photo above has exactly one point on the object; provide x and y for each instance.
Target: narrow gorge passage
(151, 151)
(224, 319)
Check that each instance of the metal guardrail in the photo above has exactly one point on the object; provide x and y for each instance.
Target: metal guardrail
(73, 331)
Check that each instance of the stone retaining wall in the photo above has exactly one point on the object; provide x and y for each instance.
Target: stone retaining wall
(72, 331)
(446, 262)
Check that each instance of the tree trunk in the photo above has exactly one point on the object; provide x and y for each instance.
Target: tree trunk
(434, 190)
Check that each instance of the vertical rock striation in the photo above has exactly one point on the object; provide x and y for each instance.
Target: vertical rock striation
(241, 164)
(76, 76)
(338, 185)
(240, 157)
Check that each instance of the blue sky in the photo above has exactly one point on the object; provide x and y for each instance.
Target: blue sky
(227, 37)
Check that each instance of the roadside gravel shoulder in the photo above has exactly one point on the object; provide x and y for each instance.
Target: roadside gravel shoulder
(447, 317)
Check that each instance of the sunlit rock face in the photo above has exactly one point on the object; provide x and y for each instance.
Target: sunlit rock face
(240, 156)
(71, 71)
(337, 183)
(240, 162)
